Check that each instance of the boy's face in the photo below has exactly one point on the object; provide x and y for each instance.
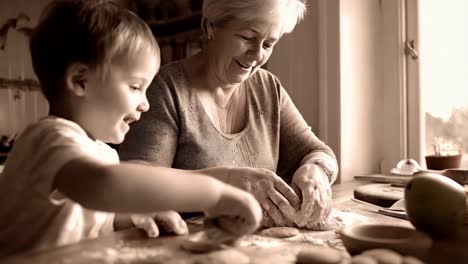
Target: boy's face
(115, 101)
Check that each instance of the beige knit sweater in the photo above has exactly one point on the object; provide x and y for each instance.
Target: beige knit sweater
(177, 132)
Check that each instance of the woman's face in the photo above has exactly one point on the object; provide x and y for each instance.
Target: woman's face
(237, 50)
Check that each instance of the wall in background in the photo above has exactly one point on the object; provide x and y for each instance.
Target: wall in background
(295, 62)
(332, 65)
(362, 122)
(20, 102)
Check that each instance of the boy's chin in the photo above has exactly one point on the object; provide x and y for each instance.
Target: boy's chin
(116, 142)
(115, 139)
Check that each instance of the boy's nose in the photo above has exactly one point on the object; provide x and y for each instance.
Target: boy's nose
(144, 106)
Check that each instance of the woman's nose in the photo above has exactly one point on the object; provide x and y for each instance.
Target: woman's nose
(255, 52)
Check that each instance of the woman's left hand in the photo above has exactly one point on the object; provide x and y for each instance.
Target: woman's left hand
(311, 183)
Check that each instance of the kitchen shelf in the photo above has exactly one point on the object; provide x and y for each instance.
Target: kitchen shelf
(26, 84)
(175, 25)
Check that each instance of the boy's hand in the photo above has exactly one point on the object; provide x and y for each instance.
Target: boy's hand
(170, 221)
(239, 211)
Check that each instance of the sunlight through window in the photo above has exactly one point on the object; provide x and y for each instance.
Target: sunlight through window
(444, 71)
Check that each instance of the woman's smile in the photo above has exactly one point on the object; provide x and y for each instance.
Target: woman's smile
(244, 66)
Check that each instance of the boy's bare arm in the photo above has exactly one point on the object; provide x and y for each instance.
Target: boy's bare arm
(136, 188)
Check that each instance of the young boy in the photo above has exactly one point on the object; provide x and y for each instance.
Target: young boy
(94, 61)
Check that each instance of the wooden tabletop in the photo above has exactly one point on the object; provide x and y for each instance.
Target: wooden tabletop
(132, 246)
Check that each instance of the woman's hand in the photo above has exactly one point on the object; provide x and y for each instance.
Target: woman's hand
(311, 183)
(169, 221)
(278, 200)
(237, 212)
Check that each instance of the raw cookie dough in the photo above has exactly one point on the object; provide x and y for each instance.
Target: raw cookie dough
(280, 232)
(381, 255)
(384, 255)
(318, 254)
(334, 222)
(201, 247)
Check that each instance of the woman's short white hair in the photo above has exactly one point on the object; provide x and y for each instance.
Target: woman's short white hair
(219, 12)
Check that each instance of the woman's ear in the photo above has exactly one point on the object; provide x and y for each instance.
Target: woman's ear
(76, 78)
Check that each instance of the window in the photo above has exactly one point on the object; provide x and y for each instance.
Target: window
(438, 80)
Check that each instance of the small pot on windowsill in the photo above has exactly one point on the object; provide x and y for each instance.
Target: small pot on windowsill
(439, 162)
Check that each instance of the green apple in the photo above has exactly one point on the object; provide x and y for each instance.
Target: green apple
(435, 204)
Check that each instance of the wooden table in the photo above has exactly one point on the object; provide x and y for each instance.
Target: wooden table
(132, 246)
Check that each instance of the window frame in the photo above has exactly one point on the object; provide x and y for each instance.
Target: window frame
(400, 132)
(400, 101)
(416, 118)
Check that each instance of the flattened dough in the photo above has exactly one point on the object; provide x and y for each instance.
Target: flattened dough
(318, 254)
(280, 232)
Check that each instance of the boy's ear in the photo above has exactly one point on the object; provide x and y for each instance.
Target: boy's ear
(76, 78)
(209, 30)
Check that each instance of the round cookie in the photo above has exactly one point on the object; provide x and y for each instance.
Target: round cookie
(383, 255)
(280, 232)
(318, 254)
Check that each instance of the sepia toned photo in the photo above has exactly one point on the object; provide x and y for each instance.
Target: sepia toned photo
(233, 131)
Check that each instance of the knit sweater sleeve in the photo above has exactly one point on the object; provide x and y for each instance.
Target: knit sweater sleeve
(154, 137)
(298, 144)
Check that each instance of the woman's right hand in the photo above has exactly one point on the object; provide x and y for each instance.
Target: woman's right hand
(238, 211)
(277, 198)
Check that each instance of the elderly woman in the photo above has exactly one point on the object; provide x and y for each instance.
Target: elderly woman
(219, 108)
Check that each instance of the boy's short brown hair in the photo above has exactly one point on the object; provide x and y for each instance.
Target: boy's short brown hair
(92, 32)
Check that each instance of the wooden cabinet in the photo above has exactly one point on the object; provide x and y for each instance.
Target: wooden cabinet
(175, 24)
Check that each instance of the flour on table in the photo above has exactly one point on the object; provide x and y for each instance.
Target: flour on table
(128, 255)
(227, 256)
(337, 220)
